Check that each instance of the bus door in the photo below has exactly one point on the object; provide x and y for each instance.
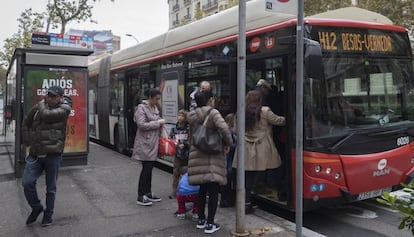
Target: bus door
(137, 81)
(132, 99)
(273, 184)
(116, 112)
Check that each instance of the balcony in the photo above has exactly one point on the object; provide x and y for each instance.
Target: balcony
(187, 17)
(187, 2)
(210, 5)
(176, 7)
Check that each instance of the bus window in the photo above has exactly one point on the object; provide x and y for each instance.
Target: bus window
(218, 76)
(360, 93)
(116, 93)
(93, 107)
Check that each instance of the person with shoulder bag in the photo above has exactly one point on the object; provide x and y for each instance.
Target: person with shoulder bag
(207, 169)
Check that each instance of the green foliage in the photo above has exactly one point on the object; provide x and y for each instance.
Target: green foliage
(61, 12)
(29, 22)
(198, 14)
(312, 7)
(403, 205)
(3, 71)
(233, 3)
(401, 12)
(58, 14)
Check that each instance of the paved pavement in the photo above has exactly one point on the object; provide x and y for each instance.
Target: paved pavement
(99, 199)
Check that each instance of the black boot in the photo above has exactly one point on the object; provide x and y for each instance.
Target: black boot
(47, 219)
(33, 215)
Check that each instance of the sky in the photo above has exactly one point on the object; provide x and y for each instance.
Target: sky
(143, 19)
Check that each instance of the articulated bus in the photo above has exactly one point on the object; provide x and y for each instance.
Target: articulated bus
(358, 93)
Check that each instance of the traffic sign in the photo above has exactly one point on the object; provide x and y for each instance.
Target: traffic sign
(282, 6)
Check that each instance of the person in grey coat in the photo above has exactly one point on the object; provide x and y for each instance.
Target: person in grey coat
(149, 123)
(208, 170)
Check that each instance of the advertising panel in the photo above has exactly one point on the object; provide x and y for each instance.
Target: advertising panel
(74, 82)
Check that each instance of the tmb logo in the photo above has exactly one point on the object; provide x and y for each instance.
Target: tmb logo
(382, 170)
(254, 44)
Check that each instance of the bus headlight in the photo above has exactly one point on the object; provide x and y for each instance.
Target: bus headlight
(328, 170)
(318, 168)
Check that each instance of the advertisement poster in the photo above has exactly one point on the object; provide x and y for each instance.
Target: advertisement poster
(170, 100)
(74, 83)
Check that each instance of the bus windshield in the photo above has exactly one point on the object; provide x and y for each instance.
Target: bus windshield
(357, 94)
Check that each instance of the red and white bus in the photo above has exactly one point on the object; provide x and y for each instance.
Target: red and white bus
(358, 93)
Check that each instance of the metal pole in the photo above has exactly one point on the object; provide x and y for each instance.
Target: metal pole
(19, 148)
(299, 120)
(241, 94)
(48, 19)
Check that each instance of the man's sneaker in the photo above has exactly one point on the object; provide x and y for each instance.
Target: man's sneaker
(47, 219)
(194, 217)
(180, 216)
(144, 201)
(211, 228)
(33, 215)
(153, 198)
(201, 224)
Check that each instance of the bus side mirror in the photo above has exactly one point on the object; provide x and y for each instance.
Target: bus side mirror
(312, 59)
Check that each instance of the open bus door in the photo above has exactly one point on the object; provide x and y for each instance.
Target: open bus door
(279, 71)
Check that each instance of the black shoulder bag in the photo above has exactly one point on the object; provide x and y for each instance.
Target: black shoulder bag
(207, 139)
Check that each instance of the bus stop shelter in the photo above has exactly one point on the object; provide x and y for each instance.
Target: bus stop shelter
(31, 72)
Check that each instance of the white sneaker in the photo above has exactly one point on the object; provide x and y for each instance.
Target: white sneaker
(201, 224)
(211, 228)
(144, 201)
(181, 216)
(194, 217)
(153, 198)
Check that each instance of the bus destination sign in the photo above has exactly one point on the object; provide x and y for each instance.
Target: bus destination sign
(355, 42)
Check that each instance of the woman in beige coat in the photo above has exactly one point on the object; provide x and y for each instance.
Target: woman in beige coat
(207, 170)
(260, 150)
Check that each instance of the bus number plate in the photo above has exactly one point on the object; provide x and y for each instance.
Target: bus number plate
(373, 193)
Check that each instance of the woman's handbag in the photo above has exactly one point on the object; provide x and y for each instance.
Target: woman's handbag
(166, 145)
(206, 139)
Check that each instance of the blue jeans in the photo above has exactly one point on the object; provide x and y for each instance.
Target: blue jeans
(32, 171)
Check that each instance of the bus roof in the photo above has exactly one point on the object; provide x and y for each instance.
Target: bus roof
(355, 14)
(224, 26)
(217, 26)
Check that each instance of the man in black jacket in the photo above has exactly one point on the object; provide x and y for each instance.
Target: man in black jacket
(44, 130)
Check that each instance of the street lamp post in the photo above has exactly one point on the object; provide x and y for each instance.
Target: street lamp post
(131, 35)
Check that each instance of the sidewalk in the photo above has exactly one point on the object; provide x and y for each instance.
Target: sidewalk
(100, 200)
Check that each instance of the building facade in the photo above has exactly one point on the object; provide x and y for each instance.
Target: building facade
(182, 12)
